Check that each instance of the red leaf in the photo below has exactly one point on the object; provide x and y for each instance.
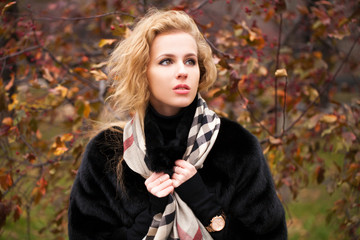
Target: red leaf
(30, 157)
(5, 209)
(6, 181)
(319, 174)
(17, 213)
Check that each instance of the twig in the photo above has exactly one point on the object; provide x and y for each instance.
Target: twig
(325, 87)
(253, 115)
(34, 28)
(13, 185)
(69, 71)
(20, 52)
(216, 50)
(277, 67)
(83, 18)
(284, 107)
(145, 7)
(3, 67)
(29, 146)
(28, 220)
(199, 6)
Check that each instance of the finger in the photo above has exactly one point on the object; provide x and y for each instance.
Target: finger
(163, 178)
(165, 191)
(176, 183)
(152, 177)
(160, 188)
(157, 177)
(177, 179)
(178, 170)
(155, 180)
(182, 163)
(186, 168)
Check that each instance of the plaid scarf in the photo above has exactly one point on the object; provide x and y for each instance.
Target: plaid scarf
(177, 221)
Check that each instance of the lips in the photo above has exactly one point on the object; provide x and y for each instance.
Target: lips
(181, 87)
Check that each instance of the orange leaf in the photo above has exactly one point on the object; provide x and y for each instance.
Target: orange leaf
(11, 82)
(317, 54)
(67, 137)
(62, 90)
(329, 118)
(58, 147)
(281, 72)
(7, 121)
(87, 109)
(302, 9)
(42, 184)
(270, 14)
(6, 181)
(99, 75)
(353, 167)
(104, 42)
(47, 75)
(17, 213)
(7, 6)
(275, 141)
(30, 157)
(36, 195)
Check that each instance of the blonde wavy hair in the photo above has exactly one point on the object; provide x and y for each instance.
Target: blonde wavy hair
(127, 65)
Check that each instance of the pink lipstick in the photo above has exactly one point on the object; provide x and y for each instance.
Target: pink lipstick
(181, 89)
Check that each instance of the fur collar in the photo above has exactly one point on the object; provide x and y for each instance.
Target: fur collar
(162, 155)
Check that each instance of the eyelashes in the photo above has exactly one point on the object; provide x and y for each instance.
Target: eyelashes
(191, 61)
(168, 61)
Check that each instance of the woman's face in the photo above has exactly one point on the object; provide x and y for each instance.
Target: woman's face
(173, 72)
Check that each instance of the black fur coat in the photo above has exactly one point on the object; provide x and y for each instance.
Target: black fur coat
(235, 173)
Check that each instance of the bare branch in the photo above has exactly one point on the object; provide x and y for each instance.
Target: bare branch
(284, 106)
(69, 71)
(199, 6)
(277, 67)
(34, 28)
(47, 18)
(253, 115)
(29, 146)
(325, 87)
(20, 52)
(3, 67)
(216, 50)
(13, 185)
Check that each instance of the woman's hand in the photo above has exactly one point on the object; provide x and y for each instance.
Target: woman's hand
(183, 171)
(159, 184)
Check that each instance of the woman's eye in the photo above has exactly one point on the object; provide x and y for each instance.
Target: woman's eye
(165, 62)
(191, 62)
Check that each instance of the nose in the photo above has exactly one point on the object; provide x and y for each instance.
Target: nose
(181, 72)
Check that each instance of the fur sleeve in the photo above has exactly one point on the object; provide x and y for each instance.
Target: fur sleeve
(255, 212)
(92, 214)
(98, 208)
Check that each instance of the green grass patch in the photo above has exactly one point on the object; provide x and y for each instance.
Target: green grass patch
(307, 215)
(39, 218)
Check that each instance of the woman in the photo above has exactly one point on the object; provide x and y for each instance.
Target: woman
(176, 170)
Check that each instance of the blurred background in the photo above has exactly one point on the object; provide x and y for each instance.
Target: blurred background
(288, 71)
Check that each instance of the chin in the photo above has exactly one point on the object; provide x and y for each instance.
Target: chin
(183, 103)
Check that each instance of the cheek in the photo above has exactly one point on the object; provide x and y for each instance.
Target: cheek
(197, 74)
(151, 78)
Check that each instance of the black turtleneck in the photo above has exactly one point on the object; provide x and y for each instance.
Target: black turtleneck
(166, 124)
(166, 137)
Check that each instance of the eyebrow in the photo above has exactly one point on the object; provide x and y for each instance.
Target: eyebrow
(173, 55)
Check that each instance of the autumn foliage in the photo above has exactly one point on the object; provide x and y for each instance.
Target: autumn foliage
(287, 70)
